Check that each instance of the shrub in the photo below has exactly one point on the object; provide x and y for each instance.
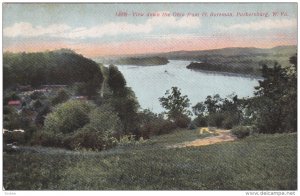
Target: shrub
(68, 117)
(192, 126)
(230, 120)
(154, 124)
(89, 138)
(75, 125)
(166, 127)
(242, 131)
(216, 119)
(44, 138)
(182, 121)
(200, 121)
(10, 137)
(62, 96)
(105, 119)
(36, 95)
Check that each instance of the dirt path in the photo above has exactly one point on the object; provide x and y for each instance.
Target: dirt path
(221, 136)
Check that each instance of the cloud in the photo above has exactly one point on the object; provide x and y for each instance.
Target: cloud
(266, 24)
(24, 29)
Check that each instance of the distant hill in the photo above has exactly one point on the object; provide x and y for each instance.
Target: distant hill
(233, 60)
(53, 67)
(237, 51)
(144, 61)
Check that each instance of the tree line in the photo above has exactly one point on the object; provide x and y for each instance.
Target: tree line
(273, 109)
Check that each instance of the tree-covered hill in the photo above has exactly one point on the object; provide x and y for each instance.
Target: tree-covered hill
(54, 67)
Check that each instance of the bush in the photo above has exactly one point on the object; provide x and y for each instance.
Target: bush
(216, 119)
(10, 137)
(243, 131)
(182, 121)
(192, 126)
(154, 124)
(68, 117)
(49, 139)
(98, 129)
(105, 119)
(230, 120)
(36, 95)
(89, 138)
(200, 121)
(62, 96)
(166, 127)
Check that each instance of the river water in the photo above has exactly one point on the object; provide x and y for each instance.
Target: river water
(151, 82)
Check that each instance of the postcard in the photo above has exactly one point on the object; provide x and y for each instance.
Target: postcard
(150, 96)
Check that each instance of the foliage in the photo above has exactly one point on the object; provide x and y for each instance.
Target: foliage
(36, 95)
(90, 137)
(116, 80)
(200, 121)
(154, 124)
(11, 119)
(175, 103)
(41, 115)
(10, 137)
(105, 119)
(143, 61)
(219, 112)
(242, 131)
(276, 99)
(126, 106)
(68, 117)
(49, 139)
(61, 96)
(55, 67)
(182, 121)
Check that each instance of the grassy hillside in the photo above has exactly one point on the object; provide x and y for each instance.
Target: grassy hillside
(257, 162)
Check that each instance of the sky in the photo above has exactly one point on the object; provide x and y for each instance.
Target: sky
(107, 29)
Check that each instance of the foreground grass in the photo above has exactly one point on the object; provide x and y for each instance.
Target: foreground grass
(257, 162)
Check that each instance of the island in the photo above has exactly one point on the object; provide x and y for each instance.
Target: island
(143, 61)
(242, 69)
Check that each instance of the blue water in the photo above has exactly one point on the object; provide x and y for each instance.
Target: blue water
(151, 82)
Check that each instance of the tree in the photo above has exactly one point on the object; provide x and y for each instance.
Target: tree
(62, 96)
(213, 103)
(276, 99)
(126, 105)
(116, 80)
(176, 104)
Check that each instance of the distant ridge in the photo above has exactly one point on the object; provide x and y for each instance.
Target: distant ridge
(233, 51)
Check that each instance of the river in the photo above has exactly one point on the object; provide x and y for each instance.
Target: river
(151, 82)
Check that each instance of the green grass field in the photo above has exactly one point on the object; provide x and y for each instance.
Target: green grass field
(257, 162)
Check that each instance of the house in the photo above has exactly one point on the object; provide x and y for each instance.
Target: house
(15, 103)
(82, 98)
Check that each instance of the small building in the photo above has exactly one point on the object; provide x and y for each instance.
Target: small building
(15, 103)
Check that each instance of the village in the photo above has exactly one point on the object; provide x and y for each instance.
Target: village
(32, 104)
